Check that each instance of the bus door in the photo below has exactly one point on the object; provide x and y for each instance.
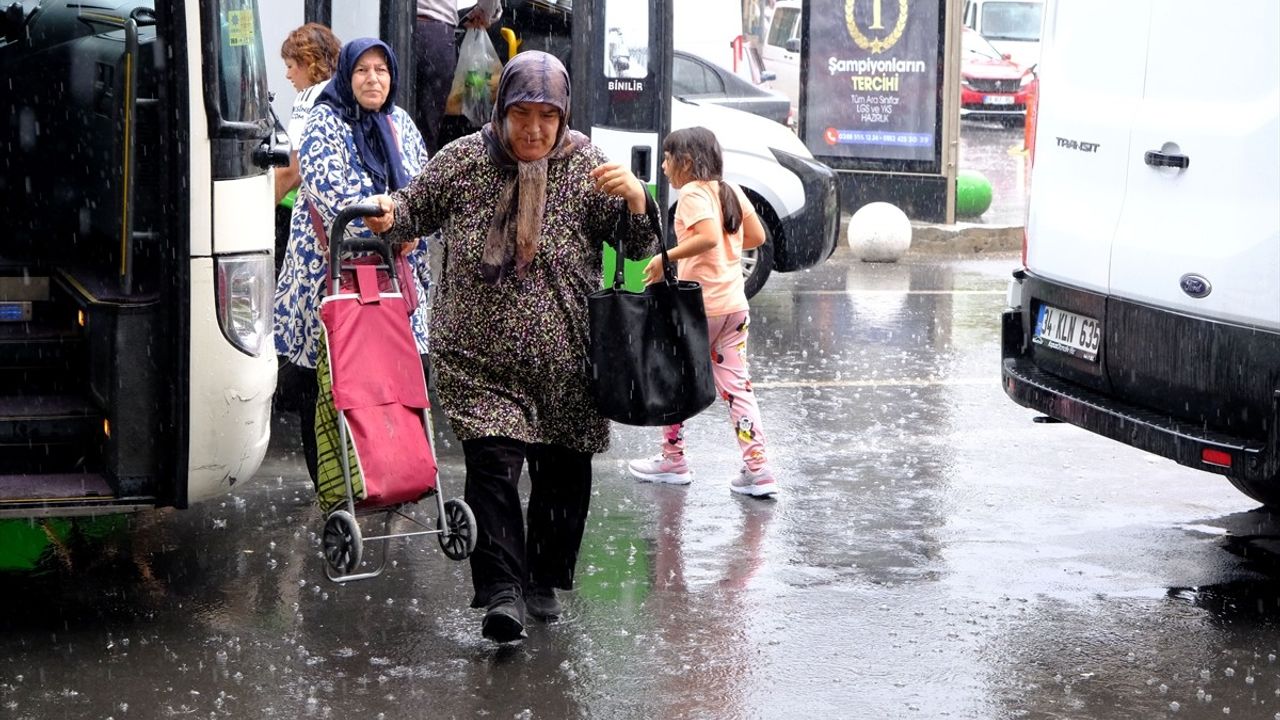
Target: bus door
(622, 82)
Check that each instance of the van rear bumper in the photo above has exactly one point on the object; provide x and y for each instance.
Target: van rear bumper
(1026, 383)
(1153, 432)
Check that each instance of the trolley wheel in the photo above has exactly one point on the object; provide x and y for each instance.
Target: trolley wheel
(459, 540)
(342, 544)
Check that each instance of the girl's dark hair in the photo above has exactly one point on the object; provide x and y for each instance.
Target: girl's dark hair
(313, 48)
(696, 151)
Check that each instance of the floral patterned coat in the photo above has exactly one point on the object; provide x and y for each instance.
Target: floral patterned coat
(332, 178)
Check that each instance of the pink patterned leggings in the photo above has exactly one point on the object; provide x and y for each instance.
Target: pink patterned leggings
(728, 335)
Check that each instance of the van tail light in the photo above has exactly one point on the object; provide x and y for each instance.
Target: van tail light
(1217, 458)
(1029, 126)
(1029, 144)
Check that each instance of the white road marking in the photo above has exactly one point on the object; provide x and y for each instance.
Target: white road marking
(897, 292)
(887, 382)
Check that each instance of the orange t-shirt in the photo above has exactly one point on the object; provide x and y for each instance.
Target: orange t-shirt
(718, 269)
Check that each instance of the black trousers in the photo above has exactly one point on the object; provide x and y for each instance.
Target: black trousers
(434, 60)
(283, 216)
(297, 389)
(505, 558)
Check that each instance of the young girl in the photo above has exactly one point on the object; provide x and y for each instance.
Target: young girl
(714, 224)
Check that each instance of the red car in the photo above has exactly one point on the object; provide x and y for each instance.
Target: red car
(990, 83)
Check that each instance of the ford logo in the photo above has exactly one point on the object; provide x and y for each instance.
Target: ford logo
(1195, 285)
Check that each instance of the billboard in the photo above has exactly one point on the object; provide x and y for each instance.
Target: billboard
(871, 83)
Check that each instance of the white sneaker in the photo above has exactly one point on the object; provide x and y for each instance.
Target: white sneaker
(757, 483)
(661, 469)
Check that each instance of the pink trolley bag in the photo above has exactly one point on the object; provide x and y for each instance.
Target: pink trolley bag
(374, 380)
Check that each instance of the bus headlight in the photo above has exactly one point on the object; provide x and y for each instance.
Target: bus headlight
(245, 289)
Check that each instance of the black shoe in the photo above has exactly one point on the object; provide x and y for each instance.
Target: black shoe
(542, 603)
(503, 621)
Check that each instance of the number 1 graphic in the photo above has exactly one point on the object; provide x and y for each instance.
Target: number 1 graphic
(875, 16)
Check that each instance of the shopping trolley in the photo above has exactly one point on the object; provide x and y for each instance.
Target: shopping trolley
(374, 392)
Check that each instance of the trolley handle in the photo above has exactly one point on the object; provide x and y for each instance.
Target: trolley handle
(338, 244)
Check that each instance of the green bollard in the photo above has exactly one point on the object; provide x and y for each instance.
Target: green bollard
(973, 193)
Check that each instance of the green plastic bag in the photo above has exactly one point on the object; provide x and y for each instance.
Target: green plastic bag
(475, 81)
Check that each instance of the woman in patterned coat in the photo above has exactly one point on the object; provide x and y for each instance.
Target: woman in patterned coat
(525, 206)
(357, 142)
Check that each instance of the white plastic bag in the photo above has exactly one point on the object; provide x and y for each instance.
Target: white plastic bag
(475, 81)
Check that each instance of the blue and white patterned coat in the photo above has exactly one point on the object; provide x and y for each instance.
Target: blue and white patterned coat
(332, 178)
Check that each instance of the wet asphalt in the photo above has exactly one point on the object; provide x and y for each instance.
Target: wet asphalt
(998, 152)
(934, 553)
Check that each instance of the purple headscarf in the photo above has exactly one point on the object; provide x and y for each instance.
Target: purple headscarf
(531, 76)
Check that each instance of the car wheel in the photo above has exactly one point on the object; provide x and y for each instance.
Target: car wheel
(757, 264)
(1266, 492)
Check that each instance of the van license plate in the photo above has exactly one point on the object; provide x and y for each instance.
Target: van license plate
(998, 100)
(1067, 332)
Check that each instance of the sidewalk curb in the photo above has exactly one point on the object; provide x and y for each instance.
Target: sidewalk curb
(957, 239)
(964, 238)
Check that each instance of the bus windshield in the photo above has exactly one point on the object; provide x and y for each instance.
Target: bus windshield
(242, 92)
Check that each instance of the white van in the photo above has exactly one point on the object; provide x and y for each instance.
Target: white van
(1148, 310)
(1012, 26)
(782, 48)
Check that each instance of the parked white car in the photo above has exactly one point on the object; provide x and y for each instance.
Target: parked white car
(796, 196)
(1148, 310)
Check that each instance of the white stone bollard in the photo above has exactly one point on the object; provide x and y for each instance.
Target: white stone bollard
(879, 232)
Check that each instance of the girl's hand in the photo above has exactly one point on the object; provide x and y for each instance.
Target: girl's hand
(615, 179)
(653, 270)
(384, 222)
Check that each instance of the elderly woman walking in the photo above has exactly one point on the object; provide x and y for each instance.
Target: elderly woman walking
(357, 142)
(525, 206)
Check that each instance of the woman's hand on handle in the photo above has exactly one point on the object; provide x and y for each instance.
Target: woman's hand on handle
(384, 222)
(615, 179)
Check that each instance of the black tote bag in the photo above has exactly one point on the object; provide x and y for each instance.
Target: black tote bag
(650, 358)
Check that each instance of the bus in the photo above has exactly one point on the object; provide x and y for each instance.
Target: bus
(136, 276)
